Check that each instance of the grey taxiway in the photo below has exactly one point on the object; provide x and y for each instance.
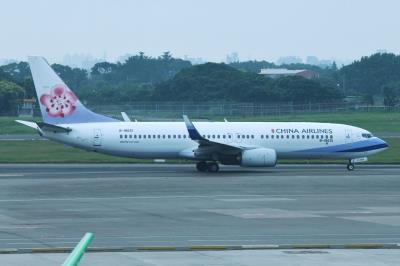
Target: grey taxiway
(173, 205)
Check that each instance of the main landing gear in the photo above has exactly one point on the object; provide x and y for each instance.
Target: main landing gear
(211, 167)
(350, 165)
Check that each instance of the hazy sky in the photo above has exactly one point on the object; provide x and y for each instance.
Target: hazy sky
(343, 29)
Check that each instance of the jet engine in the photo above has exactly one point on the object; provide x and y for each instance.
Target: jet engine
(261, 157)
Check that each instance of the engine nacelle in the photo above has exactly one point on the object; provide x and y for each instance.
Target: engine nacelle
(260, 157)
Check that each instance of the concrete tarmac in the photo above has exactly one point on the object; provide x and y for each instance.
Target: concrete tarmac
(160, 204)
(377, 257)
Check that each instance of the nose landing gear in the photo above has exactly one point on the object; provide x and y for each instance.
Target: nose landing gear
(351, 165)
(211, 167)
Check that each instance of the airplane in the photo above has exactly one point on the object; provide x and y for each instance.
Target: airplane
(246, 144)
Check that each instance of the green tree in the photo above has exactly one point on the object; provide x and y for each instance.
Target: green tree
(73, 77)
(10, 94)
(221, 82)
(369, 74)
(368, 100)
(390, 95)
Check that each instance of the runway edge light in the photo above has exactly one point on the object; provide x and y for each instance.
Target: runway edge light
(76, 254)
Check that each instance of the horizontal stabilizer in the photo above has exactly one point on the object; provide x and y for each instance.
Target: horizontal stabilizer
(49, 127)
(41, 126)
(28, 123)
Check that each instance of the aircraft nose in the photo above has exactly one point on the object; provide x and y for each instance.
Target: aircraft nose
(383, 143)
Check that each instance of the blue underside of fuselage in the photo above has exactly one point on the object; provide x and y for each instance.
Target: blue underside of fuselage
(359, 146)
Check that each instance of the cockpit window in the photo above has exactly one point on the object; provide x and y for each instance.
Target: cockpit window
(366, 135)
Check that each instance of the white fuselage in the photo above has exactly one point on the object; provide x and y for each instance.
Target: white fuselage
(171, 139)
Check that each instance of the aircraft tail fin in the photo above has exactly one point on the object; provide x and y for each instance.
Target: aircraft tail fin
(58, 104)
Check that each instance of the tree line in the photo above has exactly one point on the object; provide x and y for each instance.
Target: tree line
(165, 78)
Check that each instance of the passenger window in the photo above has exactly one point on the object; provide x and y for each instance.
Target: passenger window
(229, 136)
(292, 136)
(252, 136)
(302, 136)
(120, 136)
(130, 136)
(144, 136)
(266, 136)
(126, 136)
(248, 136)
(317, 136)
(298, 136)
(272, 136)
(312, 136)
(308, 136)
(331, 136)
(262, 136)
(287, 136)
(243, 136)
(159, 136)
(169, 136)
(208, 136)
(217, 136)
(223, 136)
(184, 136)
(149, 136)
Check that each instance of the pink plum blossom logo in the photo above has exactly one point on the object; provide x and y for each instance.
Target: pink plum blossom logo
(60, 102)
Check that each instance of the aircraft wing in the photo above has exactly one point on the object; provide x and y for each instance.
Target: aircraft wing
(210, 146)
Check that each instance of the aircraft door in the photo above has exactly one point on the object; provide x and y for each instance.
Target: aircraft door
(348, 135)
(97, 137)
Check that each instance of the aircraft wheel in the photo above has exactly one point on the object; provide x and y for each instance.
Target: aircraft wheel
(213, 167)
(350, 167)
(202, 166)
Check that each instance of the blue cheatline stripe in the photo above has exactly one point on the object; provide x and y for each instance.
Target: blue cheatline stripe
(359, 146)
(367, 148)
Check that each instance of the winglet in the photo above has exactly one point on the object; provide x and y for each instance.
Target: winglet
(193, 133)
(125, 117)
(76, 254)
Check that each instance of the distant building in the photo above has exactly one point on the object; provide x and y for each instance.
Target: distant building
(283, 72)
(287, 60)
(27, 107)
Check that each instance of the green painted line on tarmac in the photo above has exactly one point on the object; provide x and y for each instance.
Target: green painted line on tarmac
(76, 254)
